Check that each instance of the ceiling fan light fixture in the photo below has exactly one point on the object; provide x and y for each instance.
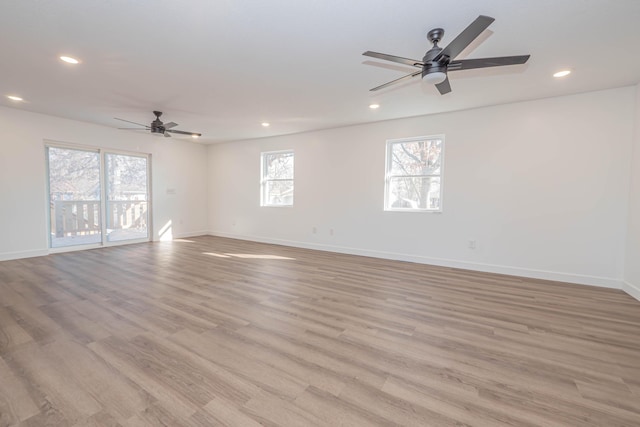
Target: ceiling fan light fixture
(374, 106)
(435, 77)
(194, 136)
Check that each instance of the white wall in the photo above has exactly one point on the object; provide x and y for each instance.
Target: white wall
(542, 187)
(179, 165)
(632, 262)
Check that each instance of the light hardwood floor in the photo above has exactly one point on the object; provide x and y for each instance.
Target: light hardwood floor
(211, 331)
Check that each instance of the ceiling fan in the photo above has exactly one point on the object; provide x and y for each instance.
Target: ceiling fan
(158, 127)
(437, 62)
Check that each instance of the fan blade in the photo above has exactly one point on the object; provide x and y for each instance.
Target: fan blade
(408, 76)
(136, 128)
(170, 125)
(393, 58)
(465, 38)
(468, 64)
(181, 132)
(444, 87)
(128, 121)
(166, 134)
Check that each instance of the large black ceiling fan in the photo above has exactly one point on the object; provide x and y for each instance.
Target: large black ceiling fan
(160, 128)
(437, 62)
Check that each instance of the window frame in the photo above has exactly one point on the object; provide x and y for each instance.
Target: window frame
(389, 175)
(264, 180)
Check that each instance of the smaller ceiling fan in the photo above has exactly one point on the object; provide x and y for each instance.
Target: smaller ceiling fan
(438, 61)
(158, 127)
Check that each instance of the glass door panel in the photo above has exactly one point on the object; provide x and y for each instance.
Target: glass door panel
(126, 197)
(74, 197)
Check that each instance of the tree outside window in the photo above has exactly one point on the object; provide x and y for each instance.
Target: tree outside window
(414, 174)
(277, 179)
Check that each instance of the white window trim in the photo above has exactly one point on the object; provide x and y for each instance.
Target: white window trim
(264, 180)
(388, 175)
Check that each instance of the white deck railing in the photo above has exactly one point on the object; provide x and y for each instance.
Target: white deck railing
(82, 217)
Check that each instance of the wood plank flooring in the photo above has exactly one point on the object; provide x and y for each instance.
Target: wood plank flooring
(211, 331)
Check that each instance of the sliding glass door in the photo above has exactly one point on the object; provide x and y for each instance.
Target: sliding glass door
(97, 197)
(127, 207)
(74, 197)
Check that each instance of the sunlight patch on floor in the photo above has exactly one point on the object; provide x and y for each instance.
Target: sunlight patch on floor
(248, 256)
(216, 255)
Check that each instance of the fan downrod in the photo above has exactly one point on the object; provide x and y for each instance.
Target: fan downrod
(435, 36)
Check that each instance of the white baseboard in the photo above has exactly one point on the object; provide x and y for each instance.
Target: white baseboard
(632, 290)
(7, 256)
(605, 282)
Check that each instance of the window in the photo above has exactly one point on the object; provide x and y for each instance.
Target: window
(414, 174)
(277, 179)
(96, 197)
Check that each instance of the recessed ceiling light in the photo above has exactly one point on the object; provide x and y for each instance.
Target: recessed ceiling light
(266, 124)
(69, 59)
(374, 106)
(14, 98)
(562, 73)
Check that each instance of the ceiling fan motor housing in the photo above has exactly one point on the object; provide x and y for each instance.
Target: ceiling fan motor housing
(157, 127)
(431, 66)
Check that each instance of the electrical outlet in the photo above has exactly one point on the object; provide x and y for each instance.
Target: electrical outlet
(331, 232)
(472, 244)
(314, 230)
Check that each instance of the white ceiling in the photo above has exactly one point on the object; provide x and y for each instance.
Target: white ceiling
(222, 67)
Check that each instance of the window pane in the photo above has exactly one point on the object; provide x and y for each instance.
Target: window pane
(127, 206)
(279, 193)
(414, 193)
(74, 197)
(416, 157)
(279, 166)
